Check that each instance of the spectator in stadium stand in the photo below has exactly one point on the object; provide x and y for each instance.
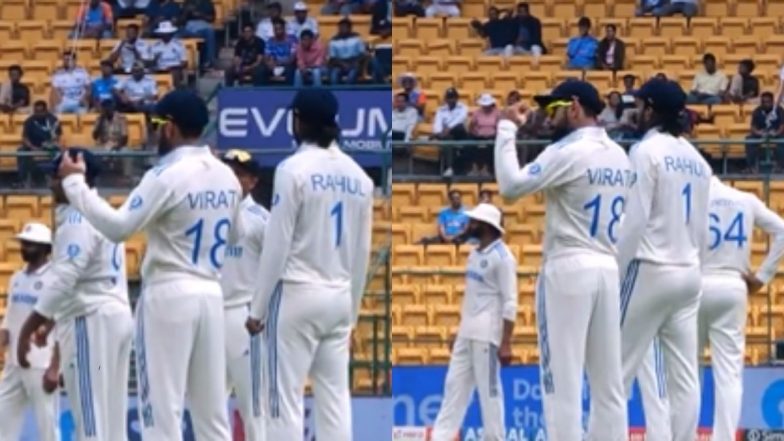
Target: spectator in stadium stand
(612, 50)
(380, 17)
(710, 85)
(347, 52)
(629, 91)
(248, 59)
(198, 16)
(381, 61)
(310, 60)
(131, 8)
(452, 221)
(130, 50)
(443, 8)
(648, 7)
(581, 50)
(41, 132)
(94, 20)
(342, 7)
(265, 29)
(416, 97)
(295, 25)
(70, 85)
(404, 118)
(766, 123)
(485, 196)
(500, 32)
(529, 31)
(688, 8)
(280, 52)
(482, 126)
(111, 133)
(169, 52)
(14, 95)
(744, 87)
(102, 88)
(449, 125)
(138, 92)
(160, 11)
(409, 7)
(610, 118)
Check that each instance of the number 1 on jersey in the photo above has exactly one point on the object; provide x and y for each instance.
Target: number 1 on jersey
(687, 200)
(337, 213)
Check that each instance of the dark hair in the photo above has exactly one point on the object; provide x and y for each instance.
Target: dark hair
(454, 191)
(611, 26)
(345, 21)
(619, 109)
(485, 191)
(634, 78)
(106, 63)
(748, 63)
(306, 33)
(403, 94)
(584, 22)
(278, 21)
(15, 67)
(247, 26)
(322, 136)
(766, 95)
(708, 57)
(133, 26)
(275, 5)
(675, 124)
(40, 103)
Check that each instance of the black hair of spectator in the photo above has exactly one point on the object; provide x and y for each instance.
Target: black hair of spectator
(275, 5)
(627, 76)
(133, 26)
(402, 94)
(345, 21)
(766, 95)
(584, 22)
(16, 67)
(248, 26)
(40, 103)
(306, 33)
(278, 21)
(454, 191)
(611, 26)
(524, 5)
(708, 57)
(106, 63)
(70, 53)
(661, 76)
(493, 8)
(749, 63)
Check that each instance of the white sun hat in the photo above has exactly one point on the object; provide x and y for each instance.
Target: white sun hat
(487, 213)
(485, 99)
(165, 27)
(300, 6)
(36, 232)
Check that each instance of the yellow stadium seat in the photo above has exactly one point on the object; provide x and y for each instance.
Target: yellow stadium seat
(7, 30)
(441, 48)
(412, 356)
(415, 315)
(558, 46)
(439, 356)
(506, 80)
(430, 337)
(427, 65)
(422, 230)
(672, 26)
(446, 315)
(14, 51)
(14, 10)
(440, 81)
(738, 130)
(458, 28)
(400, 65)
(773, 44)
(596, 8)
(432, 195)
(732, 27)
(763, 27)
(440, 255)
(403, 194)
(642, 27)
(624, 8)
(475, 81)
(405, 294)
(552, 28)
(410, 48)
(746, 45)
(564, 9)
(470, 48)
(656, 46)
(473, 9)
(428, 29)
(685, 46)
(21, 207)
(490, 64)
(31, 31)
(550, 63)
(71, 8)
(137, 132)
(537, 81)
(46, 10)
(401, 335)
(401, 27)
(748, 8)
(645, 63)
(675, 62)
(5, 124)
(717, 8)
(61, 29)
(703, 27)
(410, 213)
(725, 114)
(69, 123)
(408, 255)
(436, 294)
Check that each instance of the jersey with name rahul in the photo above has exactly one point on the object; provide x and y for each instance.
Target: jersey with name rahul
(24, 289)
(241, 267)
(490, 293)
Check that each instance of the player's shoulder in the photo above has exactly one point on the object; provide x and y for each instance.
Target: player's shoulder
(257, 212)
(501, 252)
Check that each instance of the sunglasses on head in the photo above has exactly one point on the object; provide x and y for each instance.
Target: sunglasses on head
(158, 121)
(555, 105)
(238, 155)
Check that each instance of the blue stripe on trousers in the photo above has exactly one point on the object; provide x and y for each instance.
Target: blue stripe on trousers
(255, 372)
(544, 340)
(627, 288)
(492, 368)
(272, 345)
(659, 361)
(85, 380)
(141, 368)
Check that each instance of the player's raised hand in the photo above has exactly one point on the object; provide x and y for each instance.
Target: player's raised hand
(69, 166)
(254, 326)
(517, 113)
(752, 282)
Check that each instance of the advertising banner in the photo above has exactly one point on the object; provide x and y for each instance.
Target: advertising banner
(259, 119)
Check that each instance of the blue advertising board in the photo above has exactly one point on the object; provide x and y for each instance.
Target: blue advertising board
(260, 119)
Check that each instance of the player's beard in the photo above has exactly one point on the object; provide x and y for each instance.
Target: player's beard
(560, 132)
(164, 144)
(29, 255)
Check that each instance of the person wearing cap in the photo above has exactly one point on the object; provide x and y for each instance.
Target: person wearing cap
(311, 278)
(248, 58)
(85, 295)
(130, 50)
(188, 206)
(70, 87)
(585, 177)
(279, 54)
(295, 25)
(168, 53)
(138, 92)
(238, 278)
(660, 246)
(449, 125)
(34, 386)
(198, 16)
(264, 29)
(416, 98)
(484, 338)
(581, 50)
(347, 51)
(481, 127)
(310, 57)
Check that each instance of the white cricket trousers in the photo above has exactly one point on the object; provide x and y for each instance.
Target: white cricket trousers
(243, 371)
(653, 388)
(474, 365)
(578, 318)
(722, 323)
(20, 388)
(308, 331)
(663, 300)
(95, 354)
(181, 351)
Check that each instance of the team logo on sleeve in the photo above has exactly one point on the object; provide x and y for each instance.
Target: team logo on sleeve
(38, 285)
(534, 170)
(73, 250)
(483, 264)
(275, 199)
(136, 202)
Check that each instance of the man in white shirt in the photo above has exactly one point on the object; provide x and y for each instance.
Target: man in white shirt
(312, 274)
(710, 85)
(484, 338)
(449, 124)
(301, 21)
(265, 29)
(187, 205)
(138, 92)
(69, 86)
(20, 388)
(664, 230)
(131, 50)
(585, 177)
(85, 294)
(404, 118)
(727, 281)
(443, 8)
(168, 53)
(238, 277)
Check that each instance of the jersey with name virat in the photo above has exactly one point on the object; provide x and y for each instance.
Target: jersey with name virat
(240, 270)
(187, 205)
(733, 215)
(320, 226)
(666, 219)
(24, 289)
(585, 177)
(87, 269)
(490, 293)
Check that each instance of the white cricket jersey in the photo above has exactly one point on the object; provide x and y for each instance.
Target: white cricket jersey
(87, 269)
(171, 54)
(733, 215)
(490, 293)
(666, 217)
(128, 55)
(319, 229)
(142, 90)
(240, 269)
(187, 205)
(71, 84)
(24, 289)
(585, 177)
(295, 28)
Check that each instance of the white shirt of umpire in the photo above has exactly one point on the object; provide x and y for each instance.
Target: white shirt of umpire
(23, 292)
(169, 54)
(239, 274)
(128, 56)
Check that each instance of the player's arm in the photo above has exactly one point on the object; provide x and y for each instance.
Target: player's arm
(507, 281)
(638, 207)
(278, 238)
(361, 261)
(118, 225)
(551, 168)
(5, 334)
(773, 224)
(51, 378)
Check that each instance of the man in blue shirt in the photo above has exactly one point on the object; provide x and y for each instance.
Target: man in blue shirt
(280, 53)
(198, 16)
(102, 88)
(346, 52)
(452, 220)
(581, 50)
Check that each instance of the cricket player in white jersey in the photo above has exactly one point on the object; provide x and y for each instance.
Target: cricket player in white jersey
(238, 279)
(727, 280)
(484, 338)
(664, 229)
(35, 386)
(85, 292)
(652, 382)
(187, 206)
(585, 177)
(312, 274)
